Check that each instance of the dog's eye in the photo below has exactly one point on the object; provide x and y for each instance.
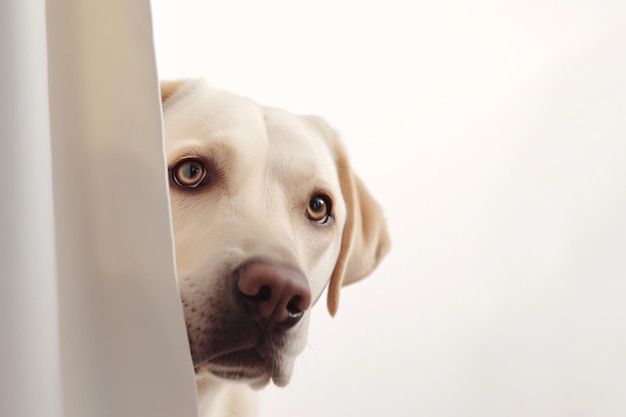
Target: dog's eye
(189, 173)
(319, 209)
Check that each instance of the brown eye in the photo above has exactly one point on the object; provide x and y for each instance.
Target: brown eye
(189, 173)
(319, 209)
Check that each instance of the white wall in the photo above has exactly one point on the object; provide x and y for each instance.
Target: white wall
(494, 135)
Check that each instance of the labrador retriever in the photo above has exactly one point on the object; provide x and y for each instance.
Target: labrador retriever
(266, 213)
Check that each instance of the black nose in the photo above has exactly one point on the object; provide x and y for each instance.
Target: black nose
(273, 295)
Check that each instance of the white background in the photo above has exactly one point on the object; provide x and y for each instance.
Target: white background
(494, 135)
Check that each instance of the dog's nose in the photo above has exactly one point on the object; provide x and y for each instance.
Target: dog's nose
(273, 295)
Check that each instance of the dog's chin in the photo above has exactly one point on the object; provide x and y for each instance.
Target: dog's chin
(247, 366)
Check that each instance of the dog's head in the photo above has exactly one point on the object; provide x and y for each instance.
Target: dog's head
(266, 212)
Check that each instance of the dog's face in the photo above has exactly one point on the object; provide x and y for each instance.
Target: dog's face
(260, 216)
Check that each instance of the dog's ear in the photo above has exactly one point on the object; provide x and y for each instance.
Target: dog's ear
(365, 239)
(169, 87)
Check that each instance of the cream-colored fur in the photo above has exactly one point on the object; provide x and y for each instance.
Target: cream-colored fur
(264, 167)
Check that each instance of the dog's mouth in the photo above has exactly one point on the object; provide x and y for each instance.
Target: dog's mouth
(248, 365)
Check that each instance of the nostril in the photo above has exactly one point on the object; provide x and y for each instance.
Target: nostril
(264, 294)
(293, 307)
(254, 291)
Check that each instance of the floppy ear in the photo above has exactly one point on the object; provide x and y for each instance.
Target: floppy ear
(169, 87)
(365, 237)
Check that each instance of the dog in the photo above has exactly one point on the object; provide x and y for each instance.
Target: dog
(266, 213)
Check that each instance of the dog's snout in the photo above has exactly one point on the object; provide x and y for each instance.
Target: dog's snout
(273, 295)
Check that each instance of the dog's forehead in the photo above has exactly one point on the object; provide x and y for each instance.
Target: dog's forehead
(200, 115)
(295, 137)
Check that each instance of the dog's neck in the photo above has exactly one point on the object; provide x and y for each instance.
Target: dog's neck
(209, 391)
(218, 398)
